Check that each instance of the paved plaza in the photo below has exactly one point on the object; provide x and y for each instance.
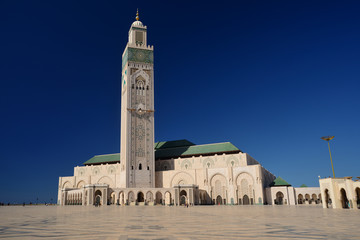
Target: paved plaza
(160, 222)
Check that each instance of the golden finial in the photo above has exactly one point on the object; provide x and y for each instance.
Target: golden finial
(137, 14)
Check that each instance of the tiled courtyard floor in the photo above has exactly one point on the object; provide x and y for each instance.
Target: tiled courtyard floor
(160, 222)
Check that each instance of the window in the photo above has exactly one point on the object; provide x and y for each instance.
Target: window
(140, 87)
(132, 167)
(139, 37)
(140, 166)
(148, 168)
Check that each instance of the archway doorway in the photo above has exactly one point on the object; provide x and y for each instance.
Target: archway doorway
(344, 199)
(218, 200)
(314, 198)
(246, 200)
(300, 199)
(183, 197)
(98, 201)
(158, 196)
(327, 199)
(279, 198)
(140, 197)
(149, 197)
(121, 198)
(168, 198)
(131, 197)
(112, 198)
(357, 191)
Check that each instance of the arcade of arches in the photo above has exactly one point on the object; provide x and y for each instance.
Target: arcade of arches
(343, 193)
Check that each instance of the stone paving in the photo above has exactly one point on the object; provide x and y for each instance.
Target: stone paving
(161, 222)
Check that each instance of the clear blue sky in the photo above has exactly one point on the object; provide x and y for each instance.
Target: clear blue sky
(271, 77)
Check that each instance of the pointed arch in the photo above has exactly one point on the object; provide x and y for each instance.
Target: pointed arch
(140, 73)
(106, 180)
(182, 176)
(67, 184)
(80, 184)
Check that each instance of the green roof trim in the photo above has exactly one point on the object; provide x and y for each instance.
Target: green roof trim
(172, 149)
(173, 144)
(303, 185)
(195, 150)
(279, 182)
(106, 158)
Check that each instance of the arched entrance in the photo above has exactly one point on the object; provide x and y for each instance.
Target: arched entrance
(344, 199)
(121, 199)
(97, 200)
(314, 198)
(168, 198)
(112, 198)
(183, 197)
(300, 199)
(131, 197)
(218, 200)
(279, 198)
(158, 196)
(327, 199)
(149, 197)
(140, 197)
(307, 198)
(357, 191)
(246, 200)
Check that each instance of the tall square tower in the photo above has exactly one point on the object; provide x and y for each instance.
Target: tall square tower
(137, 111)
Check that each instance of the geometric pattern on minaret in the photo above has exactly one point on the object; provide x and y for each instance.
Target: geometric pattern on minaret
(137, 111)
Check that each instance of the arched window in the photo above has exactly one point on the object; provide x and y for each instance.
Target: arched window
(148, 168)
(132, 167)
(140, 166)
(140, 86)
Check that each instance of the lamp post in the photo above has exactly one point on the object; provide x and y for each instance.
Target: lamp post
(328, 138)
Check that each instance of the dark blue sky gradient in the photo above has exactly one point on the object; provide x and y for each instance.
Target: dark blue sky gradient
(271, 77)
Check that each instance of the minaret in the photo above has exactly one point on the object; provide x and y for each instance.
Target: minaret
(137, 110)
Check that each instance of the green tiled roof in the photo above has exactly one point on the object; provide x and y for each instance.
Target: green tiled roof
(279, 182)
(303, 185)
(107, 158)
(173, 144)
(172, 149)
(195, 150)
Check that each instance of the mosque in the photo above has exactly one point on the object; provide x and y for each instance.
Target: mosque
(171, 172)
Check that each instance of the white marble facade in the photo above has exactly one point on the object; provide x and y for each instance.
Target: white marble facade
(340, 193)
(218, 179)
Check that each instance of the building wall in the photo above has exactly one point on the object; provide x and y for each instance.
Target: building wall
(308, 195)
(293, 196)
(281, 195)
(232, 177)
(340, 193)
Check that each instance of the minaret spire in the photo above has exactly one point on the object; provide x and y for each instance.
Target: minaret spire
(137, 14)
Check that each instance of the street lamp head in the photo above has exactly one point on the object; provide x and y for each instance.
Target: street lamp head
(327, 138)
